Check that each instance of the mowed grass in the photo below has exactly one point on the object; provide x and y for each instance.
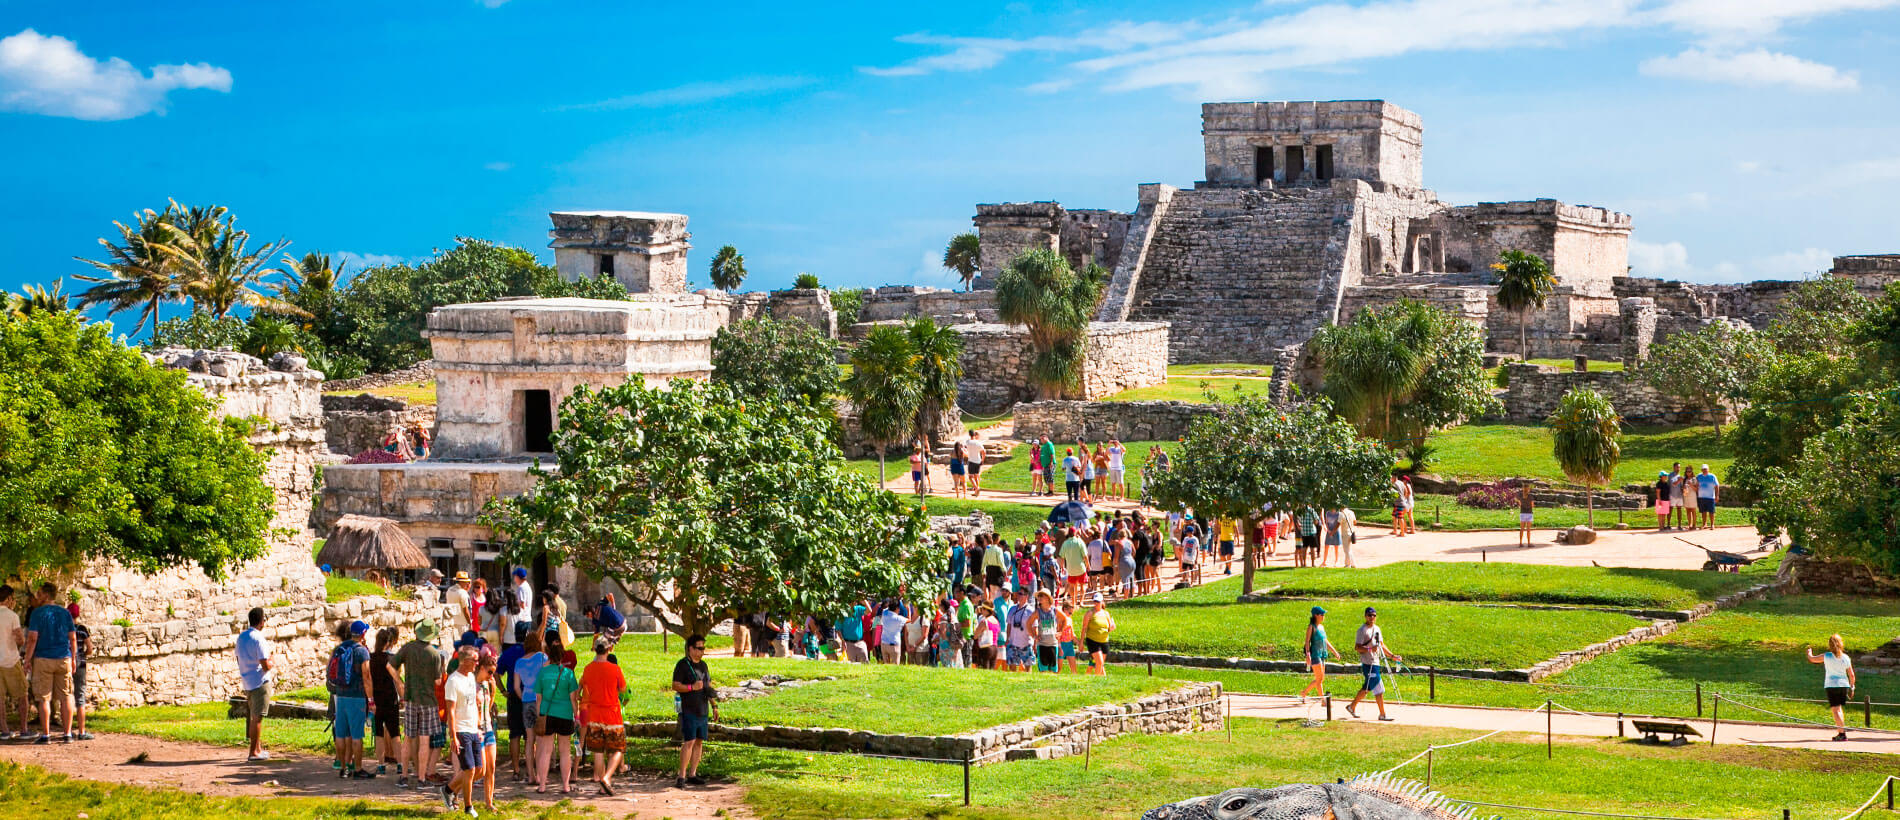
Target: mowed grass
(1195, 389)
(1443, 512)
(1501, 450)
(337, 588)
(1134, 773)
(1265, 370)
(1436, 634)
(421, 392)
(1526, 583)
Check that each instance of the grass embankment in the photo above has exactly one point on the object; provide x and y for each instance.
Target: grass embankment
(1443, 512)
(1263, 370)
(1502, 450)
(1489, 582)
(421, 392)
(1195, 389)
(1566, 365)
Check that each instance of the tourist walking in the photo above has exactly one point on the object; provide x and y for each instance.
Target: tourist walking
(1075, 562)
(1370, 644)
(485, 712)
(603, 693)
(554, 689)
(698, 707)
(1037, 482)
(1022, 644)
(461, 697)
(82, 649)
(1526, 514)
(527, 669)
(49, 633)
(1096, 628)
(386, 717)
(1316, 649)
(1065, 636)
(254, 674)
(1190, 554)
(1662, 501)
(1344, 522)
(917, 469)
(415, 668)
(1837, 680)
(1708, 491)
(973, 464)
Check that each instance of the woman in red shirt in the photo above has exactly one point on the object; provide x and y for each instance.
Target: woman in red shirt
(603, 692)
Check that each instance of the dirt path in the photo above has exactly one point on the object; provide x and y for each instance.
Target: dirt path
(1485, 719)
(223, 772)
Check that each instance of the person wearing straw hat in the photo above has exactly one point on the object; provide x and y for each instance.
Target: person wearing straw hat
(461, 604)
(1370, 643)
(1316, 649)
(1838, 679)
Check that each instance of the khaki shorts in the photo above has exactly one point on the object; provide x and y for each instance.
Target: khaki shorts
(52, 678)
(259, 701)
(12, 684)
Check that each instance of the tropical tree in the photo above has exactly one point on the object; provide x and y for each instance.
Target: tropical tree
(964, 255)
(1039, 290)
(938, 350)
(1585, 433)
(806, 281)
(1524, 281)
(1252, 455)
(40, 299)
(1822, 315)
(704, 503)
(1710, 367)
(384, 309)
(765, 357)
(1841, 496)
(138, 272)
(105, 455)
(886, 387)
(728, 269)
(1401, 371)
(221, 272)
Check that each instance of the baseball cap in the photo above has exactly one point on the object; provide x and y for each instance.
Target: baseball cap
(1371, 611)
(1096, 598)
(358, 628)
(521, 572)
(1662, 473)
(1319, 610)
(1705, 466)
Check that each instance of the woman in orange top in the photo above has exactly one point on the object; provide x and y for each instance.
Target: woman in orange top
(603, 691)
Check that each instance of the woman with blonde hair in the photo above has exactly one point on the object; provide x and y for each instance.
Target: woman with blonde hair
(1837, 678)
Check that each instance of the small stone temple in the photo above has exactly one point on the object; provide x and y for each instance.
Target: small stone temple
(502, 370)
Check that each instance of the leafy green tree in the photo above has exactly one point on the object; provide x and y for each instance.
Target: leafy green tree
(1710, 367)
(1234, 463)
(806, 281)
(789, 360)
(1821, 316)
(1841, 497)
(887, 388)
(938, 350)
(105, 455)
(1402, 371)
(964, 255)
(200, 331)
(847, 303)
(1794, 399)
(1585, 436)
(728, 269)
(703, 503)
(138, 272)
(385, 308)
(1039, 290)
(587, 287)
(1524, 281)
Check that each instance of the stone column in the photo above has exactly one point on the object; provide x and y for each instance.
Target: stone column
(1638, 315)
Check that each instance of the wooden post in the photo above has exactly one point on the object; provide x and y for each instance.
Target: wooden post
(1619, 724)
(1428, 767)
(1151, 667)
(1227, 702)
(1550, 720)
(1086, 748)
(966, 776)
(1698, 699)
(1435, 511)
(1329, 707)
(1716, 718)
(1867, 703)
(1431, 673)
(1890, 793)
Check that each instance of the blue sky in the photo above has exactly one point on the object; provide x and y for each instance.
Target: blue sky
(1749, 138)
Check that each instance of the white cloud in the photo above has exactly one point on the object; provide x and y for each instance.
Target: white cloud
(493, 4)
(1748, 166)
(1880, 168)
(976, 53)
(699, 92)
(353, 263)
(497, 166)
(1662, 260)
(42, 74)
(1670, 260)
(1751, 68)
(1793, 264)
(1746, 20)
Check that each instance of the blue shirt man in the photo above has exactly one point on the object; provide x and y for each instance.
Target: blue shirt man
(52, 628)
(851, 627)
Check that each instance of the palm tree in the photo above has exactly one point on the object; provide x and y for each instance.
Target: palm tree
(886, 387)
(140, 274)
(221, 272)
(310, 283)
(1524, 281)
(938, 349)
(964, 255)
(39, 299)
(1039, 290)
(1584, 433)
(728, 269)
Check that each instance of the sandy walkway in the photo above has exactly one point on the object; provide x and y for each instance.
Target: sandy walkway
(1482, 719)
(219, 771)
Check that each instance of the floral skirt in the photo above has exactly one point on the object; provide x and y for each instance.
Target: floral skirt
(606, 737)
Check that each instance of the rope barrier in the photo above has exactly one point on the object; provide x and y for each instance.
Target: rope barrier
(1733, 701)
(1436, 747)
(1870, 799)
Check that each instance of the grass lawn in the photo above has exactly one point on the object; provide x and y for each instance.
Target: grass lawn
(412, 392)
(1266, 370)
(1489, 450)
(1428, 580)
(1448, 514)
(1436, 634)
(337, 588)
(1134, 773)
(1194, 389)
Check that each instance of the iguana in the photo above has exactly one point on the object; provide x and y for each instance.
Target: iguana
(1367, 797)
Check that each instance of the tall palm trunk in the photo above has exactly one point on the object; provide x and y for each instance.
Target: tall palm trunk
(1523, 334)
(1589, 507)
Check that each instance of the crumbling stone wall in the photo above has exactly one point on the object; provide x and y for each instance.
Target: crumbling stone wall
(1470, 303)
(948, 427)
(422, 371)
(1103, 420)
(1535, 390)
(895, 302)
(352, 424)
(1119, 356)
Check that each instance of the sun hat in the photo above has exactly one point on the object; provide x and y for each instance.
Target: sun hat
(1096, 598)
(425, 629)
(461, 576)
(435, 573)
(1705, 466)
(1319, 610)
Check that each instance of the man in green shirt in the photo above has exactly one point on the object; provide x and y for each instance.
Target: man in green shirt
(415, 668)
(966, 620)
(1049, 465)
(1075, 562)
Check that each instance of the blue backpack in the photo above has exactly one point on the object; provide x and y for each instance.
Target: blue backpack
(341, 676)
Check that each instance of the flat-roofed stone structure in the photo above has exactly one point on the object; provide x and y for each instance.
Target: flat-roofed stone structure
(642, 250)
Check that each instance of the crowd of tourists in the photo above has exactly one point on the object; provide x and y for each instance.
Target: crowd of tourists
(42, 666)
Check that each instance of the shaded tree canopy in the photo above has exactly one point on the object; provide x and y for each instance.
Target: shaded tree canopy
(105, 455)
(1710, 367)
(789, 360)
(1586, 440)
(1039, 290)
(1401, 371)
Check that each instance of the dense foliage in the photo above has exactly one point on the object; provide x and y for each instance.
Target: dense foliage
(1495, 495)
(938, 350)
(1710, 367)
(887, 386)
(1585, 435)
(105, 455)
(1402, 371)
(1253, 454)
(704, 503)
(847, 303)
(787, 360)
(806, 281)
(1039, 290)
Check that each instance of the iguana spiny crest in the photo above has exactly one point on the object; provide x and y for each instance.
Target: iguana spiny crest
(1367, 797)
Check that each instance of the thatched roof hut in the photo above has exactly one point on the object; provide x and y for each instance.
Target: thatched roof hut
(366, 542)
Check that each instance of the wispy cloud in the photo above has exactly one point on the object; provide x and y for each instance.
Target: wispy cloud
(1670, 260)
(497, 166)
(1238, 55)
(47, 74)
(1759, 67)
(353, 263)
(699, 92)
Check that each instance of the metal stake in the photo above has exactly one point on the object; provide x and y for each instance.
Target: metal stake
(1329, 707)
(966, 777)
(1867, 703)
(1619, 724)
(1550, 720)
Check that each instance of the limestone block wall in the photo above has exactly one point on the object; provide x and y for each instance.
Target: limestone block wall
(949, 426)
(809, 305)
(1587, 247)
(1008, 229)
(1370, 139)
(1103, 420)
(432, 499)
(1535, 390)
(1119, 356)
(1471, 303)
(1870, 272)
(945, 306)
(352, 424)
(421, 371)
(1093, 237)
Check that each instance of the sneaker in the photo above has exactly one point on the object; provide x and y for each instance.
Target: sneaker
(382, 769)
(448, 798)
(471, 813)
(363, 774)
(402, 781)
(1352, 713)
(695, 780)
(342, 772)
(1841, 736)
(83, 736)
(679, 782)
(1385, 718)
(43, 740)
(66, 738)
(336, 764)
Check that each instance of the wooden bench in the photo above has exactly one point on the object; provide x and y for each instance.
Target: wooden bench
(1653, 730)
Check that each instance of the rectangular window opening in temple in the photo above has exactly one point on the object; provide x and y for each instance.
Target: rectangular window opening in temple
(537, 421)
(1322, 162)
(1295, 162)
(1263, 164)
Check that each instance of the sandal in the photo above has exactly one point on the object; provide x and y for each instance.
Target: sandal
(606, 789)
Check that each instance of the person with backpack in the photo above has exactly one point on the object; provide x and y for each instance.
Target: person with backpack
(415, 668)
(347, 679)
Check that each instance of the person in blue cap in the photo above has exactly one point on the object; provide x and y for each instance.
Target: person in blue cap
(1316, 649)
(1370, 644)
(348, 679)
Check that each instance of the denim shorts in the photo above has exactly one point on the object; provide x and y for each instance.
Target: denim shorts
(694, 727)
(351, 717)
